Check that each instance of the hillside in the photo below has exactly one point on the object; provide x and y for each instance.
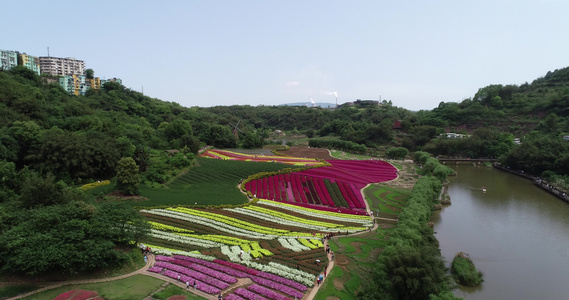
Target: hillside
(510, 108)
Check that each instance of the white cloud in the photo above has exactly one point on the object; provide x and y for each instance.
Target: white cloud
(292, 83)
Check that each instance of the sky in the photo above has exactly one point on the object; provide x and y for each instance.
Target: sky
(207, 53)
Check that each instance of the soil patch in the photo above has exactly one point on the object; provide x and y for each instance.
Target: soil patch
(338, 284)
(341, 260)
(119, 196)
(308, 152)
(357, 245)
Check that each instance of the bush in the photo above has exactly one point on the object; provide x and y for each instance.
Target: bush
(464, 271)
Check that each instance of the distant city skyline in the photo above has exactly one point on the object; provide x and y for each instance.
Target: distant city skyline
(205, 53)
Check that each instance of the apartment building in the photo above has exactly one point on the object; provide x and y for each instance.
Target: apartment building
(8, 59)
(117, 80)
(56, 66)
(30, 62)
(74, 84)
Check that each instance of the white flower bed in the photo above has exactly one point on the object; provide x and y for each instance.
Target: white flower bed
(233, 253)
(170, 252)
(183, 239)
(283, 271)
(292, 244)
(366, 221)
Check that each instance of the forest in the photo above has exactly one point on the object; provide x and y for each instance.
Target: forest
(52, 142)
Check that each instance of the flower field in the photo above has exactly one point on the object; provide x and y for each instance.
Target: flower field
(229, 155)
(275, 242)
(337, 186)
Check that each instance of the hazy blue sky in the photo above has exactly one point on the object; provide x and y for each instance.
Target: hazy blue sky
(204, 53)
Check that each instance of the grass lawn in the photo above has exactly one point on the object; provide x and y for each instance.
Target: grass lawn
(16, 289)
(355, 254)
(172, 290)
(350, 156)
(328, 288)
(386, 199)
(135, 287)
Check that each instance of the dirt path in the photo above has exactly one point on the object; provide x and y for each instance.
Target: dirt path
(149, 263)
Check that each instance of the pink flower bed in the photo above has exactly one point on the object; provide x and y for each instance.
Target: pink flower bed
(77, 295)
(248, 295)
(216, 266)
(156, 269)
(278, 279)
(163, 258)
(193, 274)
(266, 292)
(233, 297)
(215, 274)
(277, 286)
(307, 188)
(199, 284)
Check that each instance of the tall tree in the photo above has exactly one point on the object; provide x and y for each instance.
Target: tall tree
(127, 176)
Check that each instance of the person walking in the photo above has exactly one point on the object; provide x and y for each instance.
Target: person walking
(187, 285)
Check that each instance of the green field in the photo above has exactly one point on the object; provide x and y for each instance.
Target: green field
(135, 287)
(355, 254)
(210, 182)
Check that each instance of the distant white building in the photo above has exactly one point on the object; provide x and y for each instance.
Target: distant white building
(452, 135)
(8, 59)
(56, 66)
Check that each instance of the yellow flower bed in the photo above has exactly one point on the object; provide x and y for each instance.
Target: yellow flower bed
(93, 185)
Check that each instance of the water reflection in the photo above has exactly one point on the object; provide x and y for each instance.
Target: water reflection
(515, 233)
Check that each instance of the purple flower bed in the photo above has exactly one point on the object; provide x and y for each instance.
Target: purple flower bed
(277, 286)
(194, 275)
(199, 285)
(215, 274)
(266, 292)
(248, 295)
(156, 269)
(181, 262)
(233, 297)
(231, 265)
(163, 258)
(278, 279)
(213, 265)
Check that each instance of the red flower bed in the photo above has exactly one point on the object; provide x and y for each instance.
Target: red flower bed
(307, 188)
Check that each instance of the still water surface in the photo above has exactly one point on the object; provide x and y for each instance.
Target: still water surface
(516, 234)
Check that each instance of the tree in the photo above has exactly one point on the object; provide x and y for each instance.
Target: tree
(127, 176)
(177, 129)
(89, 74)
(252, 140)
(38, 191)
(397, 152)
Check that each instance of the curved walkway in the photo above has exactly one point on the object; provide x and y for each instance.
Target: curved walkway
(149, 263)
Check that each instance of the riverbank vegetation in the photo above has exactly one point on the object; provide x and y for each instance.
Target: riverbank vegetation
(464, 271)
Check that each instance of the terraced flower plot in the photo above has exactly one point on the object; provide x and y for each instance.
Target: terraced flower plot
(229, 155)
(336, 187)
(275, 242)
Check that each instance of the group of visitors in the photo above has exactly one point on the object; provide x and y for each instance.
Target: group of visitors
(188, 283)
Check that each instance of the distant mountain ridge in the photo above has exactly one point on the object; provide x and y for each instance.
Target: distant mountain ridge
(309, 104)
